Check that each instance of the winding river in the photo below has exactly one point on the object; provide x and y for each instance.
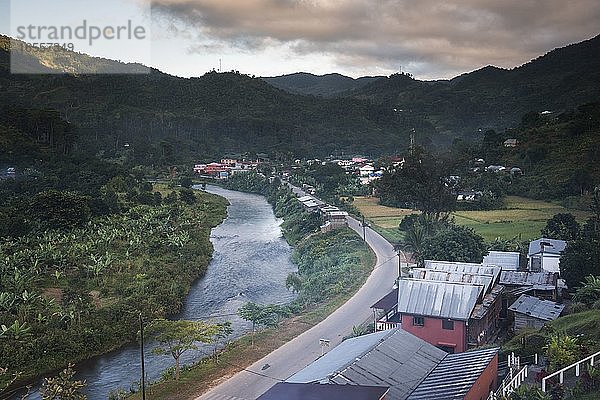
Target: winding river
(251, 261)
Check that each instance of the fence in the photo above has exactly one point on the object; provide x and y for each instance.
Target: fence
(576, 366)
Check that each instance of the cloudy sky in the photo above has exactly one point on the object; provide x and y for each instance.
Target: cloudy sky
(431, 39)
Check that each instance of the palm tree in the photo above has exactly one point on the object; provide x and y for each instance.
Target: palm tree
(589, 293)
(413, 242)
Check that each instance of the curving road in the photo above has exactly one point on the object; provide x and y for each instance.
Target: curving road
(304, 349)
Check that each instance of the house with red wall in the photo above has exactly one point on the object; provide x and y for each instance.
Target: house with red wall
(437, 312)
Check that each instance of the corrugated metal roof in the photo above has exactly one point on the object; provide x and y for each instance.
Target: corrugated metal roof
(437, 299)
(387, 302)
(482, 308)
(553, 246)
(507, 260)
(454, 376)
(401, 362)
(485, 281)
(338, 358)
(537, 280)
(315, 391)
(541, 309)
(471, 268)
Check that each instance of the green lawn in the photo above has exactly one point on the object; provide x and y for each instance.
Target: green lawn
(521, 217)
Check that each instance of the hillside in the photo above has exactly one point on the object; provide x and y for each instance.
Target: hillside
(328, 85)
(559, 153)
(496, 98)
(163, 119)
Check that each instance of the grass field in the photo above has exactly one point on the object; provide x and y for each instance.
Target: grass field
(521, 217)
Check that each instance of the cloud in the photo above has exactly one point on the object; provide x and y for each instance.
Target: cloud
(436, 38)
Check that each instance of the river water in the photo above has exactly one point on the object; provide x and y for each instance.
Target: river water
(251, 261)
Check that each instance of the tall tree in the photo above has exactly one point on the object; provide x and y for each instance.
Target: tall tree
(580, 259)
(422, 183)
(454, 243)
(177, 337)
(562, 226)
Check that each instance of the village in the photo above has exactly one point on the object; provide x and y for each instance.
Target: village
(438, 316)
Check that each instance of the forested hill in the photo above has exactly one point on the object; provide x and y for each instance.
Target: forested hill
(328, 85)
(163, 119)
(493, 97)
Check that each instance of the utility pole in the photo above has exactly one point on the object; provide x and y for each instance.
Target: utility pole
(142, 357)
(364, 229)
(400, 253)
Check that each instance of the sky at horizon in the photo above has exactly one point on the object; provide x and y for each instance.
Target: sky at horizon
(427, 38)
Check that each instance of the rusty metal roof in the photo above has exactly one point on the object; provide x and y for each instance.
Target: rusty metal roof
(537, 280)
(437, 299)
(485, 281)
(507, 260)
(470, 268)
(541, 309)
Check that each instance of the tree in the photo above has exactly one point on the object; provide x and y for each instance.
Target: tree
(63, 386)
(259, 315)
(562, 226)
(454, 243)
(589, 293)
(580, 259)
(60, 210)
(177, 337)
(414, 240)
(421, 183)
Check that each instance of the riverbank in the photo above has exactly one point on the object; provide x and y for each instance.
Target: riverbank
(92, 282)
(345, 258)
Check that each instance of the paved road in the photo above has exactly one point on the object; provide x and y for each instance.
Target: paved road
(304, 349)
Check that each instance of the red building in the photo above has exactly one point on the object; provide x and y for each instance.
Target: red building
(454, 311)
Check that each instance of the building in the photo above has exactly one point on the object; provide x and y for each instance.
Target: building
(366, 170)
(468, 376)
(507, 260)
(544, 255)
(511, 143)
(455, 306)
(541, 284)
(437, 312)
(531, 312)
(334, 219)
(315, 391)
(404, 363)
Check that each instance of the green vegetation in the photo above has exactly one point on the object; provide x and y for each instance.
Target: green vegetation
(329, 264)
(85, 246)
(177, 337)
(74, 294)
(166, 120)
(349, 263)
(63, 386)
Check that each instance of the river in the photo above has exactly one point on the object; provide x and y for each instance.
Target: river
(251, 261)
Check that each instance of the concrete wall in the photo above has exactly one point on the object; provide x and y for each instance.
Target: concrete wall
(432, 332)
(488, 379)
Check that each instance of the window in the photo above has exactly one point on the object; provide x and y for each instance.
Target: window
(448, 324)
(418, 321)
